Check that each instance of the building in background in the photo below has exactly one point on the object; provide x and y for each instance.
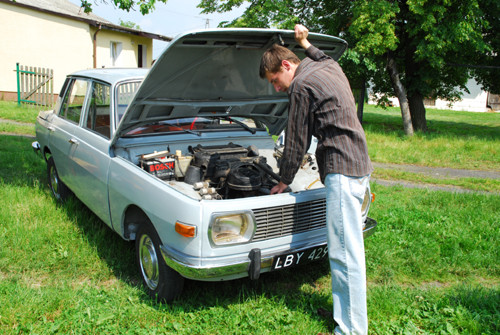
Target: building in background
(58, 35)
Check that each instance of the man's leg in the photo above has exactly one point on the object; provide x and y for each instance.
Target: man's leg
(344, 196)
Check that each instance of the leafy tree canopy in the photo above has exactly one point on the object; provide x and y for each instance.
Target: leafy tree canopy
(145, 6)
(129, 24)
(425, 39)
(433, 46)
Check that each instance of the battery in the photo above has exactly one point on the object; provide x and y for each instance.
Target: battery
(163, 168)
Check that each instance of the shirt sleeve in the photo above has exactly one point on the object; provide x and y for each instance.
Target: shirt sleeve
(316, 54)
(298, 136)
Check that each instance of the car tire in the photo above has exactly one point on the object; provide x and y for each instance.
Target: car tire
(161, 282)
(59, 190)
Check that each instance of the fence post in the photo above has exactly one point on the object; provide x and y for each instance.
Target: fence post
(18, 86)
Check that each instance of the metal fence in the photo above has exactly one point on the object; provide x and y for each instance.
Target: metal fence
(35, 85)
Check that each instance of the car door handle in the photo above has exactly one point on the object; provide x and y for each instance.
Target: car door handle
(73, 141)
(51, 128)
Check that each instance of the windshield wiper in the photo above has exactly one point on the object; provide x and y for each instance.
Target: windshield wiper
(228, 118)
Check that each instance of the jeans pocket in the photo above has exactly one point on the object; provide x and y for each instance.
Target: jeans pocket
(357, 187)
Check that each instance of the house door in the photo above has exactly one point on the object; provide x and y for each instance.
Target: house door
(142, 56)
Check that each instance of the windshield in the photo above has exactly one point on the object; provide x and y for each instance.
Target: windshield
(196, 125)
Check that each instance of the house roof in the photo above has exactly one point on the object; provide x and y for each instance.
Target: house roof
(69, 10)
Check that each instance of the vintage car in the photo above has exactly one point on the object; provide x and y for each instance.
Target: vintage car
(181, 159)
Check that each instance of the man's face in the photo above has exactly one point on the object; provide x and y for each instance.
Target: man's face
(281, 80)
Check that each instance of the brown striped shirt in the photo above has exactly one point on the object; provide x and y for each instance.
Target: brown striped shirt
(322, 104)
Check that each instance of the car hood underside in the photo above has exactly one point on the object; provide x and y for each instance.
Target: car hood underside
(216, 72)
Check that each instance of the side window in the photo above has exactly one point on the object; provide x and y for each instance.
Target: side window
(124, 94)
(98, 117)
(73, 100)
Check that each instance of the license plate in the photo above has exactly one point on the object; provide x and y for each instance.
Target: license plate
(299, 257)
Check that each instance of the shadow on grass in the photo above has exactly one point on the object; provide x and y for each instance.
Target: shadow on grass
(284, 285)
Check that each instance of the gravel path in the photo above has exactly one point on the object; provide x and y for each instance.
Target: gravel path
(443, 173)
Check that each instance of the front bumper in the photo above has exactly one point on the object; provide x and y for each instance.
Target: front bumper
(233, 267)
(36, 147)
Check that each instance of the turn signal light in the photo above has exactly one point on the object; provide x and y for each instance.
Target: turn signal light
(185, 229)
(373, 197)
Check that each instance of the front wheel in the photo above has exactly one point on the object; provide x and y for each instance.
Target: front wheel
(160, 281)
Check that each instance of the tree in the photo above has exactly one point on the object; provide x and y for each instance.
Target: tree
(411, 42)
(129, 24)
(145, 6)
(486, 69)
(414, 49)
(430, 35)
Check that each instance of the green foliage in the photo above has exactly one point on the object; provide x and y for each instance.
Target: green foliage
(427, 39)
(145, 6)
(129, 24)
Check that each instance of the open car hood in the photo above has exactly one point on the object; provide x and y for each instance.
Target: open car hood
(216, 72)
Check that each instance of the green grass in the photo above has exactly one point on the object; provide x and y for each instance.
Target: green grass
(432, 266)
(11, 111)
(455, 139)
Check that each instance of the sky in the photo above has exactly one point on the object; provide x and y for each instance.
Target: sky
(170, 19)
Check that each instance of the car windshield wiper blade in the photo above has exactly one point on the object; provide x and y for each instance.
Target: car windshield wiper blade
(228, 118)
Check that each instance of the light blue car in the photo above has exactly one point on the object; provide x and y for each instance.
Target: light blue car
(180, 159)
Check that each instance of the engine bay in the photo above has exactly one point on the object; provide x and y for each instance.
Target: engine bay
(216, 172)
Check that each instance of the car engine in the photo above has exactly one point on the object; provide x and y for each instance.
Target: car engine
(216, 172)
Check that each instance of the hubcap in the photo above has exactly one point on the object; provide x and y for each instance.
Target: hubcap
(148, 262)
(54, 182)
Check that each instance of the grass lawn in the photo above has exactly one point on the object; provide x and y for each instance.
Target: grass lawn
(432, 266)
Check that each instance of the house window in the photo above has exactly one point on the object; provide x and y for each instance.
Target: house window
(142, 54)
(116, 49)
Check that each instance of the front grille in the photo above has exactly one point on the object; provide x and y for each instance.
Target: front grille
(286, 220)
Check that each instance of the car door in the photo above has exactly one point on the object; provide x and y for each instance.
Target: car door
(91, 152)
(61, 140)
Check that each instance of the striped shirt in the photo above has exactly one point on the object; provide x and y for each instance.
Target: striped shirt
(322, 104)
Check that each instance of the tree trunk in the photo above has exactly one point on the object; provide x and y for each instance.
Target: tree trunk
(361, 101)
(417, 111)
(400, 91)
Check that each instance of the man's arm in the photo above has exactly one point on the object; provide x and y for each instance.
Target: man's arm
(301, 34)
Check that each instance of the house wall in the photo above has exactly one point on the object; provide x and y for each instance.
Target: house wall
(474, 101)
(128, 56)
(38, 39)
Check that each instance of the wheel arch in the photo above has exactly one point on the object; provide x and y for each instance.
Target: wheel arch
(46, 153)
(133, 219)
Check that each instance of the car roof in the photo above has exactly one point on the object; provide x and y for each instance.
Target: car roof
(112, 75)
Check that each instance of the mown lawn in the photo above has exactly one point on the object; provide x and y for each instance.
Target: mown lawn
(432, 266)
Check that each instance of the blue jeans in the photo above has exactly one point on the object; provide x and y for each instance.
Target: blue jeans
(346, 252)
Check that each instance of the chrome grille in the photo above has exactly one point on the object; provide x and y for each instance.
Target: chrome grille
(286, 220)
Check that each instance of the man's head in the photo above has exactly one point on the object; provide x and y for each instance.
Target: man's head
(278, 65)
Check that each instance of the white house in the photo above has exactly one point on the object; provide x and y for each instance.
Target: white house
(476, 100)
(57, 34)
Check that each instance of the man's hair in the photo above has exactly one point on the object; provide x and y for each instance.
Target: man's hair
(272, 58)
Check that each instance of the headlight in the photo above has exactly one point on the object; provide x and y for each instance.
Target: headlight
(231, 228)
(366, 203)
